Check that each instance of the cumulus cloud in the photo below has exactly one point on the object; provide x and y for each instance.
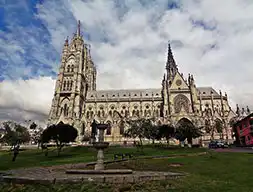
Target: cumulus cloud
(129, 42)
(26, 99)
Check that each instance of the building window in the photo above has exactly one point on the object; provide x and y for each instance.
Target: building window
(124, 95)
(109, 129)
(121, 129)
(146, 94)
(251, 121)
(68, 68)
(65, 110)
(113, 95)
(83, 129)
(72, 68)
(64, 85)
(102, 95)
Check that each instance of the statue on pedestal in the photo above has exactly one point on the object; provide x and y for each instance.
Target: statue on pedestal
(94, 134)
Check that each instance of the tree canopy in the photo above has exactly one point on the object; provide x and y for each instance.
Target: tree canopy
(140, 128)
(61, 134)
(166, 131)
(14, 133)
(186, 130)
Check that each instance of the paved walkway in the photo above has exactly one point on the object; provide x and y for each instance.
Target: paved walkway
(235, 150)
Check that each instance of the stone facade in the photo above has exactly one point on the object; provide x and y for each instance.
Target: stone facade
(76, 100)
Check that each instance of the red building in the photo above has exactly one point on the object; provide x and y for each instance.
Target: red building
(244, 128)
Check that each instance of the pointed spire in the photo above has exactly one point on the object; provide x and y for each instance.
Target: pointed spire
(248, 110)
(66, 41)
(238, 112)
(170, 59)
(189, 78)
(171, 66)
(79, 28)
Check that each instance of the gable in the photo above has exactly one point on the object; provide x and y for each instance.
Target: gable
(178, 82)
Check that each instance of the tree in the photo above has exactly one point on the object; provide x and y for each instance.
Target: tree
(151, 132)
(187, 130)
(137, 128)
(33, 126)
(86, 137)
(219, 127)
(166, 131)
(36, 133)
(14, 134)
(61, 134)
(232, 123)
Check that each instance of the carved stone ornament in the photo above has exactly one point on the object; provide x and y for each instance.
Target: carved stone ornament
(178, 82)
(181, 101)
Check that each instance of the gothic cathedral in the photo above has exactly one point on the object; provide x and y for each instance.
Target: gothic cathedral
(77, 102)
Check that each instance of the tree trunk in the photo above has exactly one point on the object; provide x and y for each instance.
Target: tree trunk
(59, 146)
(189, 140)
(153, 141)
(140, 141)
(212, 133)
(58, 150)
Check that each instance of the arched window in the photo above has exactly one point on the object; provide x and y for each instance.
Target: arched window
(109, 129)
(72, 68)
(103, 113)
(65, 109)
(137, 113)
(64, 85)
(99, 114)
(67, 85)
(133, 113)
(121, 128)
(71, 84)
(157, 112)
(68, 68)
(110, 113)
(88, 115)
(126, 113)
(83, 129)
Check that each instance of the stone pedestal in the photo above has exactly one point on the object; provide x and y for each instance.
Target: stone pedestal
(100, 146)
(100, 160)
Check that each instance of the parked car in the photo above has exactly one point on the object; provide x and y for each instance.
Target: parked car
(217, 144)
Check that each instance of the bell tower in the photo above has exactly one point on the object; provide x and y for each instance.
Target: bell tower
(77, 75)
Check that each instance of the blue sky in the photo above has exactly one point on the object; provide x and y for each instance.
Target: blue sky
(128, 39)
(23, 30)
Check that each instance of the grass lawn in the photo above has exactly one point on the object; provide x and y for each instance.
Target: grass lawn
(33, 158)
(221, 172)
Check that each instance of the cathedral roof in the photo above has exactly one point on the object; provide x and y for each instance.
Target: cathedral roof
(206, 91)
(125, 93)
